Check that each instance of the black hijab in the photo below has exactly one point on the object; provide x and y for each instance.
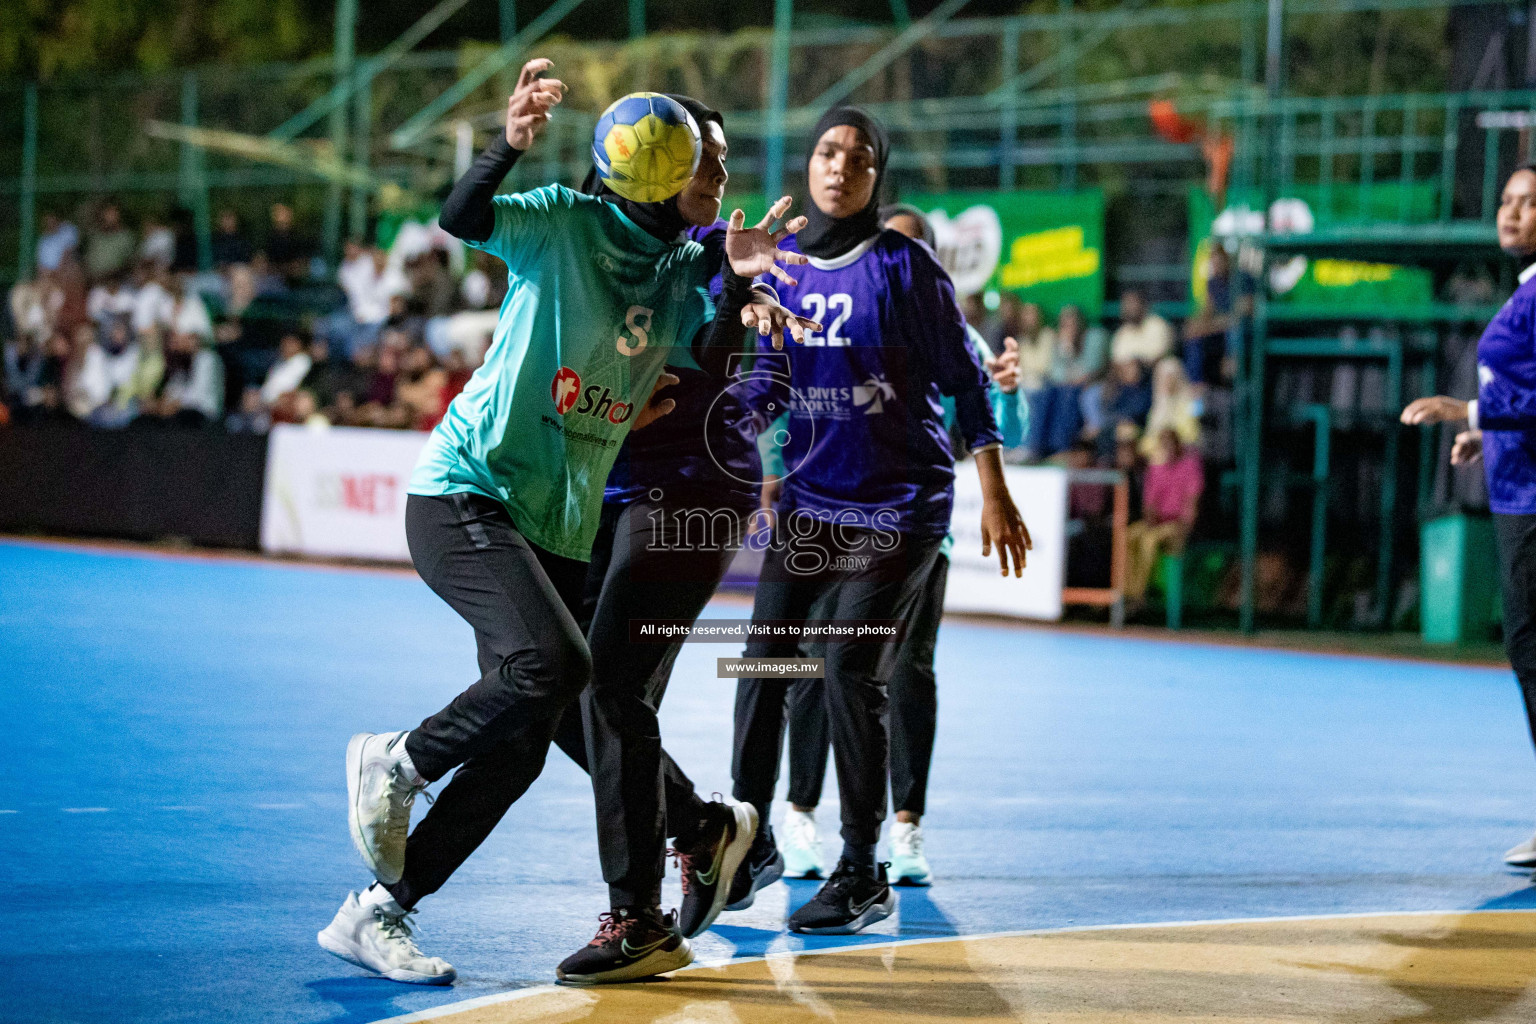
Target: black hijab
(659, 220)
(829, 237)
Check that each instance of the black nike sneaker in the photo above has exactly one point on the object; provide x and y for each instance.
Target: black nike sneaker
(709, 865)
(764, 866)
(852, 900)
(630, 944)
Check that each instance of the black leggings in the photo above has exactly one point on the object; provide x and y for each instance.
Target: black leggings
(867, 583)
(1517, 562)
(533, 659)
(646, 564)
(534, 662)
(911, 719)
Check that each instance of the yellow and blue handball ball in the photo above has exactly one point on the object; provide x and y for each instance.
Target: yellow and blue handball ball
(646, 147)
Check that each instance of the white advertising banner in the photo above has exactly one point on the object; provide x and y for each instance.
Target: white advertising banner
(338, 492)
(975, 583)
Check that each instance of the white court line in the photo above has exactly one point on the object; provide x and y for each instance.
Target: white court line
(523, 993)
(9, 812)
(278, 807)
(85, 810)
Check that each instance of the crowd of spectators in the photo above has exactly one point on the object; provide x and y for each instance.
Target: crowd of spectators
(119, 328)
(1137, 399)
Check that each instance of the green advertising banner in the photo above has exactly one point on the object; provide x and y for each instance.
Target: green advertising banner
(1326, 282)
(1046, 247)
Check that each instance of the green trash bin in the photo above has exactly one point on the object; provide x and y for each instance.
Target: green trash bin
(1458, 579)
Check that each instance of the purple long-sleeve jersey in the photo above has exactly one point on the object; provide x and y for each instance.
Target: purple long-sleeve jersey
(705, 449)
(866, 444)
(1506, 401)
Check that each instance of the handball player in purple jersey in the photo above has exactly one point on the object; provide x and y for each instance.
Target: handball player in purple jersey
(867, 493)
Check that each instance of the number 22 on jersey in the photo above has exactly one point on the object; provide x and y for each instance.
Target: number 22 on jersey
(816, 306)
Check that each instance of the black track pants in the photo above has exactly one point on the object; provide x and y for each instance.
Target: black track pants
(912, 717)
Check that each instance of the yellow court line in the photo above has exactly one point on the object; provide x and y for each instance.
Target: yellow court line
(1418, 966)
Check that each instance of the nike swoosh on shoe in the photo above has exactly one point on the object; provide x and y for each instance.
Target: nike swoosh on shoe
(629, 950)
(711, 876)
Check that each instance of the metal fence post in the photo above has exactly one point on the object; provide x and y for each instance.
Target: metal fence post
(28, 182)
(192, 182)
(1067, 178)
(344, 52)
(1007, 171)
(778, 100)
(362, 143)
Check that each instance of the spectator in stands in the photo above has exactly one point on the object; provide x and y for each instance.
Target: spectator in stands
(21, 366)
(191, 392)
(58, 241)
(289, 251)
(1117, 409)
(102, 392)
(35, 372)
(420, 386)
(329, 376)
(110, 245)
(1008, 322)
(111, 296)
(1142, 336)
(1175, 407)
(288, 372)
(369, 284)
(158, 246)
(1170, 502)
(431, 284)
(1056, 417)
(974, 308)
(35, 307)
(1205, 334)
(1037, 347)
(229, 244)
(154, 307)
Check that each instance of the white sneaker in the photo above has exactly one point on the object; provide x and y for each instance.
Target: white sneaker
(801, 846)
(1522, 856)
(378, 939)
(381, 788)
(908, 864)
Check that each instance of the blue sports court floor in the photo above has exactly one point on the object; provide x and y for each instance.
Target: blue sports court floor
(172, 827)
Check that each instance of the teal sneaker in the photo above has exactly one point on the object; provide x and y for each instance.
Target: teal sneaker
(908, 864)
(801, 846)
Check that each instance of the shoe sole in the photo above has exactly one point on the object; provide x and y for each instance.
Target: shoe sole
(735, 852)
(772, 873)
(873, 914)
(347, 951)
(354, 824)
(914, 881)
(659, 962)
(1524, 861)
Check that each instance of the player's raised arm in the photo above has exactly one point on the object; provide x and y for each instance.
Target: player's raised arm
(467, 212)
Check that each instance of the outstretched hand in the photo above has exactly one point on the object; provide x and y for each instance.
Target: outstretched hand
(754, 251)
(1435, 409)
(529, 106)
(772, 318)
